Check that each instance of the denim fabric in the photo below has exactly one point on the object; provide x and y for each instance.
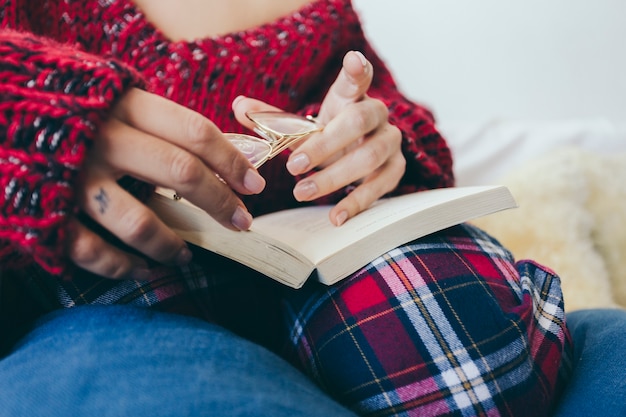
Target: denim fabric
(598, 384)
(127, 361)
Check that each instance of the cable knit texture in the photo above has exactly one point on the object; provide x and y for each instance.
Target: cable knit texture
(64, 63)
(51, 100)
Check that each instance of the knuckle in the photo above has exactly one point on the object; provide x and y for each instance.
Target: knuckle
(400, 164)
(137, 226)
(400, 161)
(320, 147)
(395, 169)
(393, 141)
(85, 249)
(396, 133)
(381, 108)
(330, 183)
(353, 89)
(89, 251)
(378, 113)
(199, 129)
(359, 202)
(234, 160)
(360, 119)
(373, 155)
(390, 185)
(370, 156)
(185, 168)
(226, 206)
(115, 270)
(393, 138)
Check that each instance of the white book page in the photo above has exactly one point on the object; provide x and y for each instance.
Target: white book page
(309, 230)
(287, 245)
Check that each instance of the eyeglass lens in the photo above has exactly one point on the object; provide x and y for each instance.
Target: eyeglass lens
(279, 129)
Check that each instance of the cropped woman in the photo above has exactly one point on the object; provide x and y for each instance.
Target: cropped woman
(104, 99)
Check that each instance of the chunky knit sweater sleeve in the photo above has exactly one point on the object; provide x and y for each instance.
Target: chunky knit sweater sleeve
(52, 99)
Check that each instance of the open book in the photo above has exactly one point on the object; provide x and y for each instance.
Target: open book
(292, 245)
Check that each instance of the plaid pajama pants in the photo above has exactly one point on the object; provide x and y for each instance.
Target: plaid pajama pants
(446, 325)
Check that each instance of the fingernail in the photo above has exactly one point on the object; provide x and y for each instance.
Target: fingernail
(253, 181)
(362, 58)
(298, 163)
(241, 219)
(183, 257)
(237, 100)
(140, 273)
(304, 190)
(341, 218)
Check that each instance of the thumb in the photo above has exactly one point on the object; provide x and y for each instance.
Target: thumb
(351, 85)
(242, 105)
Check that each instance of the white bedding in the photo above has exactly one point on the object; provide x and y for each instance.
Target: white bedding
(493, 60)
(484, 152)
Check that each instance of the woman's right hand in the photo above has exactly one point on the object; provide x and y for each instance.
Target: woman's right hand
(158, 141)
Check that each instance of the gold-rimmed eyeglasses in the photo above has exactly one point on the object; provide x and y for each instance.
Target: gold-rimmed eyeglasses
(278, 131)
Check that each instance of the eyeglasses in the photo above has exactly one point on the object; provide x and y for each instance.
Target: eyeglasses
(278, 131)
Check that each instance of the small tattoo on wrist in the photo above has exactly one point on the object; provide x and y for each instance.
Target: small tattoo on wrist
(103, 200)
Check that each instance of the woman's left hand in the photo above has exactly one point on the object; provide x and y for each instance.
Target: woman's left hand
(357, 146)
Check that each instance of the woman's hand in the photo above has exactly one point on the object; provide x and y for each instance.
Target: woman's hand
(357, 146)
(163, 143)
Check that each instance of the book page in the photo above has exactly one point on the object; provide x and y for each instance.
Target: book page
(261, 252)
(309, 230)
(289, 245)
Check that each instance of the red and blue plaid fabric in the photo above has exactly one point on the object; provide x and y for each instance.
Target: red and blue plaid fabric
(446, 325)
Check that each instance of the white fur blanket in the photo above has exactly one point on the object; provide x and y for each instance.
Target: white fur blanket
(572, 219)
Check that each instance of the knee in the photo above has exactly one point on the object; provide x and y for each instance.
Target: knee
(448, 321)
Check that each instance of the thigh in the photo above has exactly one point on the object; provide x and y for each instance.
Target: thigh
(447, 324)
(598, 383)
(212, 287)
(126, 361)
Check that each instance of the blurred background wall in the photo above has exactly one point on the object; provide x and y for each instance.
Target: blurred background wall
(497, 59)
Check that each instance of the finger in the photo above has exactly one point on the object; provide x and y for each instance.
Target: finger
(344, 131)
(357, 164)
(379, 183)
(242, 105)
(351, 85)
(134, 223)
(89, 251)
(146, 157)
(185, 128)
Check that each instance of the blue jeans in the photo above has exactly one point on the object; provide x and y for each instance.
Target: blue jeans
(125, 361)
(598, 383)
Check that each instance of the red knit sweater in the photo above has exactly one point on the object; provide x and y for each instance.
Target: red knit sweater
(63, 65)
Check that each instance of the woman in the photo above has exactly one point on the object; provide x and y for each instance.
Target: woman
(100, 94)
